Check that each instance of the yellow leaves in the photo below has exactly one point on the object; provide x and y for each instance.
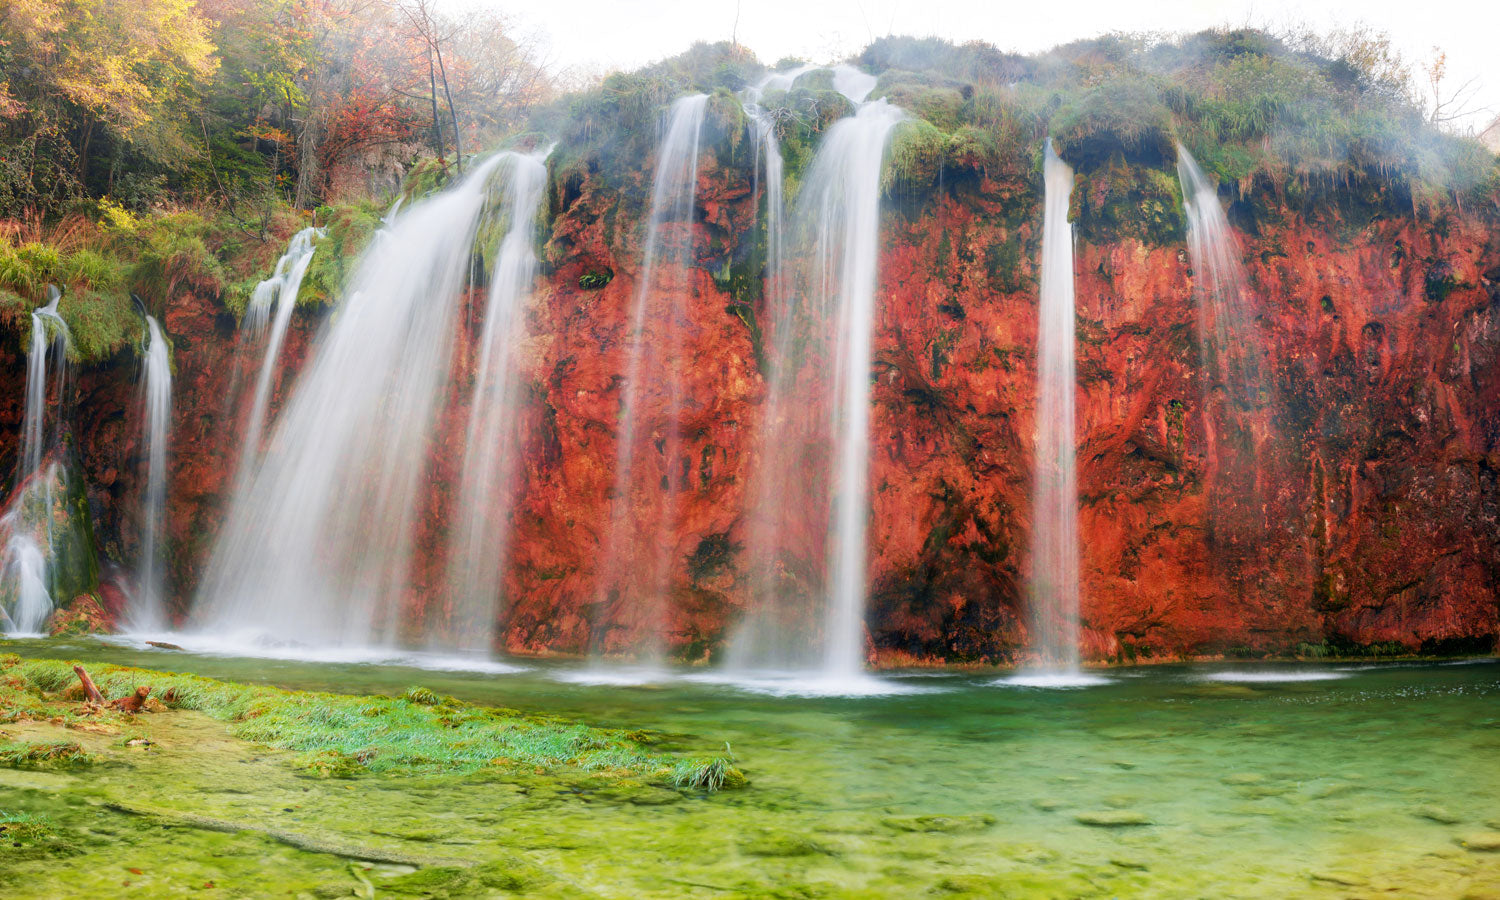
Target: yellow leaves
(125, 61)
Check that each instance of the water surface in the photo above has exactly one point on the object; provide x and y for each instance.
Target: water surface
(1241, 780)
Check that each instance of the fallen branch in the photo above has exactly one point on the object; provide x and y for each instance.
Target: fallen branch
(134, 702)
(88, 686)
(300, 841)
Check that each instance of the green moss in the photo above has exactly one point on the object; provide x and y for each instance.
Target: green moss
(347, 231)
(26, 836)
(937, 100)
(1003, 261)
(1440, 281)
(940, 824)
(1119, 200)
(44, 755)
(1123, 116)
(170, 254)
(915, 158)
(99, 324)
(595, 279)
(338, 736)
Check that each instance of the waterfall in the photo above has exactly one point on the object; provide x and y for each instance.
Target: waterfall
(1227, 334)
(25, 591)
(47, 329)
(1054, 557)
(279, 290)
(148, 609)
(819, 396)
(634, 571)
(316, 544)
(29, 552)
(477, 559)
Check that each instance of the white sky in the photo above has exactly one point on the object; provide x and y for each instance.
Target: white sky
(601, 35)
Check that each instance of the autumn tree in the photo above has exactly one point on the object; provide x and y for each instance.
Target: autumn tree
(128, 70)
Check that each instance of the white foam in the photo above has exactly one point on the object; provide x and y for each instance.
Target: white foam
(1051, 680)
(623, 676)
(808, 684)
(1272, 677)
(257, 646)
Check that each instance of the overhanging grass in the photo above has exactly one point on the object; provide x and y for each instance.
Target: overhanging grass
(420, 732)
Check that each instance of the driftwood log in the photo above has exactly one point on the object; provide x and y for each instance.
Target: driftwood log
(88, 686)
(133, 702)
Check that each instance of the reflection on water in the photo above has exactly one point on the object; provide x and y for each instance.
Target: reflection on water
(1223, 781)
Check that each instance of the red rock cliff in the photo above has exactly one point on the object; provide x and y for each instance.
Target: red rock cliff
(1356, 502)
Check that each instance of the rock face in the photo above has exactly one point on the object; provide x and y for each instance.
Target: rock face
(1353, 502)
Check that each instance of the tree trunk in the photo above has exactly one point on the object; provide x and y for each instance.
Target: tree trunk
(308, 138)
(437, 122)
(458, 151)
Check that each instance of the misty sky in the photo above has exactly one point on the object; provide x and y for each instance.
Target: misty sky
(600, 35)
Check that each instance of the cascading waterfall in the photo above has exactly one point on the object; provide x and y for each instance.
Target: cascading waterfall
(1054, 557)
(148, 607)
(633, 574)
(26, 570)
(317, 544)
(1227, 333)
(835, 226)
(477, 559)
(47, 329)
(278, 292)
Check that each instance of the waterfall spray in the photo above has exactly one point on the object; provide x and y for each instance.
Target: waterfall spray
(148, 609)
(820, 397)
(1054, 557)
(316, 545)
(1227, 334)
(634, 569)
(26, 589)
(278, 291)
(477, 559)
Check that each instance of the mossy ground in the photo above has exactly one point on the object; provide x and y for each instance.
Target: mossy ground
(1373, 785)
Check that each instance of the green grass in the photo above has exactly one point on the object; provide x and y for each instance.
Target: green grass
(43, 755)
(337, 735)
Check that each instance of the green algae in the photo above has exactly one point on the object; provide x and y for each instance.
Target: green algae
(339, 736)
(852, 798)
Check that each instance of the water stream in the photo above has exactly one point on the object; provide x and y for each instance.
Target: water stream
(491, 450)
(317, 544)
(820, 397)
(278, 293)
(1054, 557)
(148, 606)
(634, 569)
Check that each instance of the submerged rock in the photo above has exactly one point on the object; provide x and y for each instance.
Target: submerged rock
(1438, 814)
(943, 824)
(779, 844)
(1485, 842)
(1113, 818)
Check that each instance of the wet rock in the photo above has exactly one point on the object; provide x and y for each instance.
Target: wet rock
(1485, 842)
(1112, 818)
(943, 824)
(84, 615)
(778, 844)
(1438, 814)
(1346, 879)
